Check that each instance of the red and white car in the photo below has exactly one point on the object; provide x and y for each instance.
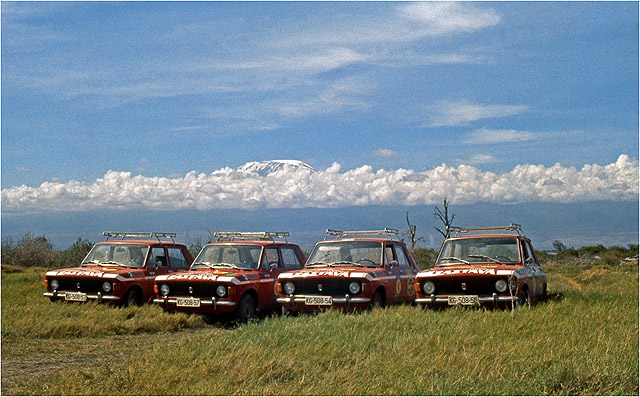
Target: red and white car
(476, 268)
(354, 270)
(236, 274)
(120, 271)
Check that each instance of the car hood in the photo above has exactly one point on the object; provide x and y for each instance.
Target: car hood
(109, 272)
(222, 275)
(475, 270)
(333, 271)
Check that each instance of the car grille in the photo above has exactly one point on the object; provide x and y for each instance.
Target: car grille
(198, 290)
(87, 285)
(474, 286)
(330, 286)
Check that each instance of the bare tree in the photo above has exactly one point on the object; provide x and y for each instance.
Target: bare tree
(444, 217)
(412, 233)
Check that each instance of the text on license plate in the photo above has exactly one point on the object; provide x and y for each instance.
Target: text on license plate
(463, 300)
(75, 296)
(188, 302)
(318, 300)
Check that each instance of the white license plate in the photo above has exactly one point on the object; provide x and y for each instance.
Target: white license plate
(318, 300)
(188, 302)
(463, 300)
(75, 296)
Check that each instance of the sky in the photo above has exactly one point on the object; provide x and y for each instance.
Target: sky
(156, 106)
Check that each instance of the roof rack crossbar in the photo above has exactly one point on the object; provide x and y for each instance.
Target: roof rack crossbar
(514, 227)
(124, 235)
(341, 233)
(231, 236)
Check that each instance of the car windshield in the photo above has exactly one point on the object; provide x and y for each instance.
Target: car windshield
(238, 256)
(126, 255)
(359, 253)
(479, 250)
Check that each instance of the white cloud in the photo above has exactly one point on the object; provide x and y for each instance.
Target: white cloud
(440, 18)
(234, 188)
(446, 113)
(478, 159)
(386, 153)
(485, 135)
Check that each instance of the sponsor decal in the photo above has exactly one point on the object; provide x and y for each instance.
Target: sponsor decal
(432, 273)
(410, 286)
(80, 272)
(326, 273)
(398, 286)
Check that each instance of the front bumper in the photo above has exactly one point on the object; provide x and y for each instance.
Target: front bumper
(444, 299)
(99, 296)
(292, 300)
(212, 303)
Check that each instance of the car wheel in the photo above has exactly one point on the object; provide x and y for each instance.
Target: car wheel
(376, 301)
(131, 299)
(246, 310)
(524, 297)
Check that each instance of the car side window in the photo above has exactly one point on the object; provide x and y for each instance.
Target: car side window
(290, 258)
(157, 258)
(176, 258)
(402, 257)
(388, 254)
(528, 253)
(272, 256)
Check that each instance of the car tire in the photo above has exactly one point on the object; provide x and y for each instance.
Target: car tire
(524, 297)
(246, 310)
(131, 298)
(377, 301)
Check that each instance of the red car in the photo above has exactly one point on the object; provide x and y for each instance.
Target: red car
(236, 274)
(475, 268)
(120, 271)
(353, 270)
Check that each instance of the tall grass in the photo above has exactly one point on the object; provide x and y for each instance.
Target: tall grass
(584, 340)
(26, 313)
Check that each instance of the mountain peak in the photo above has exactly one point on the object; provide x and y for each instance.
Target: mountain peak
(264, 168)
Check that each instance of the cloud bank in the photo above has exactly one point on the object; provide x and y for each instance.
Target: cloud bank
(300, 187)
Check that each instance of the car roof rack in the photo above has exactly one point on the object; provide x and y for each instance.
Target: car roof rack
(513, 227)
(389, 233)
(234, 236)
(124, 235)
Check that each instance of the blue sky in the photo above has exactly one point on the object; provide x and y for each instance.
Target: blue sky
(154, 105)
(165, 88)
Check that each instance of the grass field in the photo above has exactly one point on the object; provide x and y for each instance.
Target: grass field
(582, 341)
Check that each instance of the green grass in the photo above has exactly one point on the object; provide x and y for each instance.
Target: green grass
(584, 340)
(26, 313)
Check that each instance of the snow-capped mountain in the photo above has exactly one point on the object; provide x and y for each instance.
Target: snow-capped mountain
(264, 168)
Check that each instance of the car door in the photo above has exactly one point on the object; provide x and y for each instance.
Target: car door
(271, 267)
(394, 285)
(407, 273)
(157, 264)
(537, 272)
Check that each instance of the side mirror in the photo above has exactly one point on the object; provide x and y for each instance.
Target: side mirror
(393, 263)
(273, 265)
(529, 261)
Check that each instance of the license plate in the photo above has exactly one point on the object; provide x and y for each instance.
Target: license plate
(188, 302)
(318, 300)
(75, 296)
(463, 300)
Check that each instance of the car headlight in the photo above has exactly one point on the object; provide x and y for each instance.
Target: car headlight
(54, 284)
(221, 290)
(289, 288)
(429, 287)
(501, 285)
(354, 288)
(164, 289)
(106, 286)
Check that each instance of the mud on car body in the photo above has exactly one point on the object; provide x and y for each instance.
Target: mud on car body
(476, 268)
(119, 271)
(236, 274)
(351, 270)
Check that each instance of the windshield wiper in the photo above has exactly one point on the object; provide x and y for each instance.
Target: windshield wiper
(453, 258)
(112, 263)
(314, 264)
(207, 264)
(348, 263)
(92, 262)
(484, 257)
